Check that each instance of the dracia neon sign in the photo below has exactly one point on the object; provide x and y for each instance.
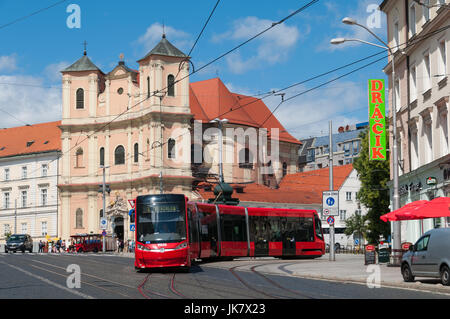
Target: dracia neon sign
(377, 120)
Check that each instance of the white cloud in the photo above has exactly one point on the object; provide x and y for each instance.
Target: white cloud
(8, 63)
(180, 39)
(365, 15)
(272, 47)
(53, 71)
(27, 99)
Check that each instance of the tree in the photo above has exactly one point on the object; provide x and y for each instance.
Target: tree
(374, 193)
(356, 226)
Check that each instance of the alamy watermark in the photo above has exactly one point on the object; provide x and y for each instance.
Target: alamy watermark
(74, 19)
(74, 279)
(374, 279)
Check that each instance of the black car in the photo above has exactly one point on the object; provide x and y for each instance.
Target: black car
(19, 242)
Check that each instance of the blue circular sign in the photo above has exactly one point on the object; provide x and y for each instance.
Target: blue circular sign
(330, 201)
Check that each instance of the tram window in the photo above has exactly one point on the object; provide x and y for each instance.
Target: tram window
(275, 230)
(318, 227)
(304, 231)
(233, 227)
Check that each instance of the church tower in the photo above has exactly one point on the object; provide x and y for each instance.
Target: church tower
(132, 124)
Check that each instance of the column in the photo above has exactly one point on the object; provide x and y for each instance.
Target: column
(92, 214)
(65, 215)
(66, 97)
(93, 95)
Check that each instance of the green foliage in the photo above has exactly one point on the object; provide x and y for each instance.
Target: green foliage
(374, 192)
(8, 235)
(356, 225)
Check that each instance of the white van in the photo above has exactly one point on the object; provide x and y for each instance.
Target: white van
(429, 257)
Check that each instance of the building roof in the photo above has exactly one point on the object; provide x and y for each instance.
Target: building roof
(211, 99)
(337, 138)
(32, 139)
(164, 47)
(83, 64)
(300, 188)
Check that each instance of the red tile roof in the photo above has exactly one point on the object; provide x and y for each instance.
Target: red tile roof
(211, 99)
(30, 139)
(299, 188)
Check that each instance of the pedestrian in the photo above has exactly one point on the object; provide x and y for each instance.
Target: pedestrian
(118, 245)
(58, 245)
(63, 245)
(49, 246)
(121, 246)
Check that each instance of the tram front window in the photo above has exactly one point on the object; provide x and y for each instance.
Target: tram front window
(161, 223)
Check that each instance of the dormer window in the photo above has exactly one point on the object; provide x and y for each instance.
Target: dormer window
(29, 143)
(80, 99)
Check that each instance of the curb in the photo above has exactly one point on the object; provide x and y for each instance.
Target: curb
(419, 286)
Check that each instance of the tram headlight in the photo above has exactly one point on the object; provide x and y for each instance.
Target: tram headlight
(181, 246)
(142, 247)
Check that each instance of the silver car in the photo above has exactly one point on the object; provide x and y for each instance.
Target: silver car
(429, 257)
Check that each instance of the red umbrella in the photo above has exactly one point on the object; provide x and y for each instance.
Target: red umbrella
(407, 212)
(438, 207)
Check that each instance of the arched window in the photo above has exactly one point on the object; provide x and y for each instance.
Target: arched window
(79, 218)
(102, 156)
(79, 158)
(171, 148)
(171, 85)
(245, 159)
(80, 99)
(119, 155)
(285, 167)
(136, 153)
(148, 87)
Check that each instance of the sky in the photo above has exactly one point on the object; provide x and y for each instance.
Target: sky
(39, 38)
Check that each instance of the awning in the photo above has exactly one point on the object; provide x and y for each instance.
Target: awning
(406, 212)
(422, 209)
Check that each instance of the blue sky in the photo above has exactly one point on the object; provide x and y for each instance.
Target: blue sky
(33, 50)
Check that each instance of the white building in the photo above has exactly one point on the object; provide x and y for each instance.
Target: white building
(348, 206)
(28, 180)
(421, 87)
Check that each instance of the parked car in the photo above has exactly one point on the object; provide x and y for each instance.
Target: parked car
(19, 242)
(429, 257)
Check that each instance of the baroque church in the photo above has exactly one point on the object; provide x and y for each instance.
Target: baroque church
(135, 129)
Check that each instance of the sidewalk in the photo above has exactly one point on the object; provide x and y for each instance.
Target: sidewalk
(346, 269)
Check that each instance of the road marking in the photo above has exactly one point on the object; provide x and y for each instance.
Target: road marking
(50, 282)
(85, 283)
(88, 275)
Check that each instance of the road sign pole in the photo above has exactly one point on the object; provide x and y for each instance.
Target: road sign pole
(330, 151)
(104, 205)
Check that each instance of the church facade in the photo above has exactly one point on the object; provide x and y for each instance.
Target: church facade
(135, 129)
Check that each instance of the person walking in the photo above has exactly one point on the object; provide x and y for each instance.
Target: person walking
(41, 246)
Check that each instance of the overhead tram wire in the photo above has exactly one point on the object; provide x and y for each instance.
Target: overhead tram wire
(413, 42)
(193, 72)
(31, 14)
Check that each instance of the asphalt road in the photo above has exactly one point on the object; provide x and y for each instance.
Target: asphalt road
(43, 276)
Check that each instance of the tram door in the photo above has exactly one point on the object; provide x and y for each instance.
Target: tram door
(288, 233)
(260, 232)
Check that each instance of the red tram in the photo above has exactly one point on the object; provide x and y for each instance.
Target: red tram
(171, 232)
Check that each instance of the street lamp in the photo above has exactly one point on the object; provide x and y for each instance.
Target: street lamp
(221, 123)
(396, 198)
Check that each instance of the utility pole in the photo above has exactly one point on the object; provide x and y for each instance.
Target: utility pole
(15, 216)
(330, 150)
(104, 203)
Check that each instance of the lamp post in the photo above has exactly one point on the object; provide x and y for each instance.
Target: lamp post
(396, 198)
(220, 122)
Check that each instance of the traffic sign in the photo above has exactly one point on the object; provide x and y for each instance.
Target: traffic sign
(104, 233)
(330, 203)
(132, 227)
(330, 220)
(103, 223)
